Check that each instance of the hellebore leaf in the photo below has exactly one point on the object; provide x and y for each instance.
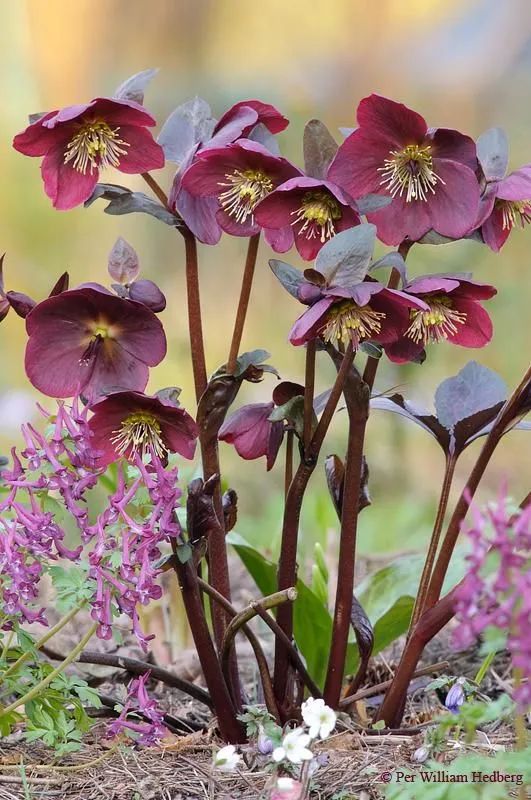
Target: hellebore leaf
(189, 124)
(253, 358)
(290, 278)
(123, 264)
(393, 261)
(493, 153)
(372, 202)
(335, 476)
(133, 88)
(321, 400)
(319, 148)
(432, 237)
(429, 422)
(344, 260)
(293, 412)
(263, 136)
(61, 285)
(475, 388)
(124, 201)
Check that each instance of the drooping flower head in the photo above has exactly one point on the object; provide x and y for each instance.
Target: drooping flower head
(252, 433)
(239, 176)
(79, 141)
(238, 122)
(140, 717)
(130, 424)
(314, 210)
(453, 312)
(429, 173)
(90, 341)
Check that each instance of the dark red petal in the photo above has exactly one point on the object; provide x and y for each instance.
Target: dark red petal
(472, 290)
(493, 232)
(179, 432)
(404, 350)
(308, 325)
(36, 140)
(276, 435)
(401, 220)
(115, 367)
(517, 185)
(231, 225)
(143, 153)
(391, 120)
(63, 184)
(455, 146)
(476, 331)
(122, 112)
(52, 359)
(453, 209)
(275, 210)
(280, 240)
(356, 163)
(267, 114)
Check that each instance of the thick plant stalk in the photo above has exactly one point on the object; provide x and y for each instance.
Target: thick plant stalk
(157, 190)
(309, 386)
(243, 304)
(287, 564)
(195, 322)
(434, 541)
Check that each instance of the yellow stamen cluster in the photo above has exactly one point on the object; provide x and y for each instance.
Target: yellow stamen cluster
(140, 434)
(437, 324)
(95, 146)
(410, 172)
(514, 212)
(347, 321)
(317, 215)
(245, 190)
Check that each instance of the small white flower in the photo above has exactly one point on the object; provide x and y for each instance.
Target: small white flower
(294, 747)
(285, 784)
(227, 759)
(319, 718)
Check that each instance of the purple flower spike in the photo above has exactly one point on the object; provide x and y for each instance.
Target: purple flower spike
(252, 433)
(429, 173)
(130, 423)
(78, 141)
(89, 341)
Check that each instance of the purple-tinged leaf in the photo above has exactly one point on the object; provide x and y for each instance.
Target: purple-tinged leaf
(123, 262)
(290, 278)
(371, 349)
(187, 126)
(170, 394)
(475, 388)
(432, 237)
(124, 201)
(263, 136)
(391, 261)
(493, 153)
(319, 148)
(148, 293)
(201, 519)
(134, 87)
(293, 412)
(344, 260)
(321, 400)
(372, 202)
(429, 422)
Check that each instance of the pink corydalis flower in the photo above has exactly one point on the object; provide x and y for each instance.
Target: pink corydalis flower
(252, 433)
(429, 173)
(80, 140)
(88, 341)
(127, 424)
(314, 210)
(453, 312)
(239, 176)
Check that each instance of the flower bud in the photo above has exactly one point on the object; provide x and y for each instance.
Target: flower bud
(420, 755)
(148, 293)
(20, 303)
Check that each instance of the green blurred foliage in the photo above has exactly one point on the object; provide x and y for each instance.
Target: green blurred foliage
(461, 65)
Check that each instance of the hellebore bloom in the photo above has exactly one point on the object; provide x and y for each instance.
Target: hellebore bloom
(507, 204)
(429, 173)
(79, 140)
(315, 210)
(239, 176)
(366, 310)
(132, 424)
(88, 341)
(319, 718)
(252, 433)
(237, 122)
(454, 312)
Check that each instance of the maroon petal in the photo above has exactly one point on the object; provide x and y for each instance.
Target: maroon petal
(179, 432)
(493, 232)
(401, 220)
(204, 177)
(67, 114)
(275, 210)
(235, 228)
(52, 359)
(356, 163)
(199, 213)
(248, 429)
(472, 290)
(476, 331)
(308, 325)
(143, 153)
(273, 446)
(267, 114)
(280, 240)
(390, 120)
(517, 185)
(454, 146)
(36, 139)
(396, 318)
(114, 368)
(403, 350)
(63, 184)
(453, 209)
(122, 112)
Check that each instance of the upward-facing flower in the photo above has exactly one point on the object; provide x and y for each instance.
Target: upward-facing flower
(127, 424)
(314, 210)
(320, 718)
(89, 341)
(239, 176)
(79, 140)
(453, 312)
(429, 173)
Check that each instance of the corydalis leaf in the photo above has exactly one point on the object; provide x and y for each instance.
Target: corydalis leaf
(319, 148)
(134, 87)
(123, 263)
(290, 278)
(124, 201)
(190, 124)
(344, 260)
(493, 153)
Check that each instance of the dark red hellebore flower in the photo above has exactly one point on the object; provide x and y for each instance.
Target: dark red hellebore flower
(252, 433)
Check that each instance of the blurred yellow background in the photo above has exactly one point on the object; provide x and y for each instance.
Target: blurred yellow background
(463, 64)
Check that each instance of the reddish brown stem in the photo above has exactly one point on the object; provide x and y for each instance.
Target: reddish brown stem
(195, 323)
(156, 189)
(288, 471)
(243, 304)
(309, 386)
